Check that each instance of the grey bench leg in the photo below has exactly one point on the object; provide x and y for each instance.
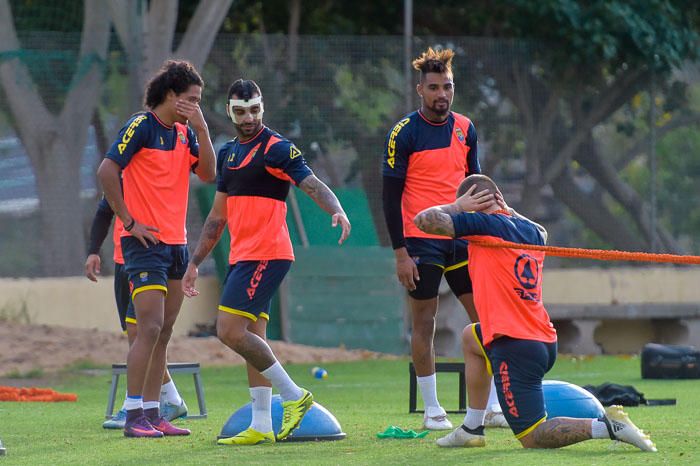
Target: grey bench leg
(693, 326)
(112, 396)
(199, 389)
(585, 342)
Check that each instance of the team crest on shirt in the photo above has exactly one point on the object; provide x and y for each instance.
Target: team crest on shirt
(181, 136)
(460, 134)
(143, 276)
(527, 272)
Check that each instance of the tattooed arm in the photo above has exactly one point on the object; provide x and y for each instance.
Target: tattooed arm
(324, 197)
(211, 233)
(437, 221)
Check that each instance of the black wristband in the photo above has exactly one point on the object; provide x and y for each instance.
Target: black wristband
(130, 225)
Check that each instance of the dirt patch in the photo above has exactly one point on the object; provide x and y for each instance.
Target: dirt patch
(27, 349)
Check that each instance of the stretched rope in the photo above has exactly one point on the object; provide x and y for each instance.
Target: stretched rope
(595, 254)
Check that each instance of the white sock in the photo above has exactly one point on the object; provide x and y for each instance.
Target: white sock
(428, 389)
(599, 429)
(493, 403)
(133, 402)
(151, 404)
(169, 393)
(282, 382)
(261, 403)
(474, 418)
(124, 402)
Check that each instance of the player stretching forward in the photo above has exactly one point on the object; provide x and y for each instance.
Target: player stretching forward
(254, 174)
(514, 340)
(154, 155)
(426, 155)
(172, 406)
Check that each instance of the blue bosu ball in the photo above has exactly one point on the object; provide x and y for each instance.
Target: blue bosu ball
(317, 424)
(564, 399)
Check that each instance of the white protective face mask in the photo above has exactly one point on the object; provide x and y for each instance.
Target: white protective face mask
(246, 105)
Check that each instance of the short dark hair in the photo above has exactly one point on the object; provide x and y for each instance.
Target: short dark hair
(245, 89)
(174, 75)
(434, 61)
(481, 181)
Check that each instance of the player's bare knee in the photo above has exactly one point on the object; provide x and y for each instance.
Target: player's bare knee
(230, 335)
(469, 344)
(149, 330)
(529, 441)
(166, 332)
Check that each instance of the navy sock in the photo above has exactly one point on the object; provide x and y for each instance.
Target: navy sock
(133, 414)
(478, 431)
(151, 414)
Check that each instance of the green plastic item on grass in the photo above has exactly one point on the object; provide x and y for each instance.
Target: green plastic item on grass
(398, 432)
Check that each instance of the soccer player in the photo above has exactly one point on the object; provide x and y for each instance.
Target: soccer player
(255, 171)
(172, 406)
(426, 155)
(514, 341)
(153, 156)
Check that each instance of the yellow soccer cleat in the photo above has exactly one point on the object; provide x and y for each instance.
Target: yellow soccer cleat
(249, 436)
(294, 412)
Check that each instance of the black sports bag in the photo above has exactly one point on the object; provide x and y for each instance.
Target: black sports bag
(670, 362)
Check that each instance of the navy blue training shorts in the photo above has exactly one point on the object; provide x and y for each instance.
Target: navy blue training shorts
(151, 268)
(250, 285)
(121, 294)
(435, 257)
(518, 367)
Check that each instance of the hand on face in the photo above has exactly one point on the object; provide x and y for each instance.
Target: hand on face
(190, 112)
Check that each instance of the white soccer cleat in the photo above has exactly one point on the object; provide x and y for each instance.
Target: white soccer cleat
(461, 438)
(436, 419)
(495, 419)
(621, 428)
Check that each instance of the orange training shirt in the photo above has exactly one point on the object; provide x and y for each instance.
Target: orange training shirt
(256, 175)
(507, 282)
(433, 159)
(156, 162)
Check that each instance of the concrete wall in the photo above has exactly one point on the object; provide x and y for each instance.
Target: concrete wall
(622, 286)
(78, 302)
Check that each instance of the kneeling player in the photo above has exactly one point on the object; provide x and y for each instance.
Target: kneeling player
(515, 340)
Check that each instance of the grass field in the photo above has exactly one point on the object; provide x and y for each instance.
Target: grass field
(366, 397)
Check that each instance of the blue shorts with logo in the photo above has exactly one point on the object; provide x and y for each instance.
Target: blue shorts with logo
(435, 258)
(518, 367)
(151, 268)
(250, 285)
(122, 295)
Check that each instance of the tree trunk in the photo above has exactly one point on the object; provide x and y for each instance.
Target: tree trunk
(55, 144)
(605, 173)
(369, 156)
(58, 186)
(595, 215)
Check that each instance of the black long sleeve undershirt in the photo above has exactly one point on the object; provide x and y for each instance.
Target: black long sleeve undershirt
(100, 227)
(392, 190)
